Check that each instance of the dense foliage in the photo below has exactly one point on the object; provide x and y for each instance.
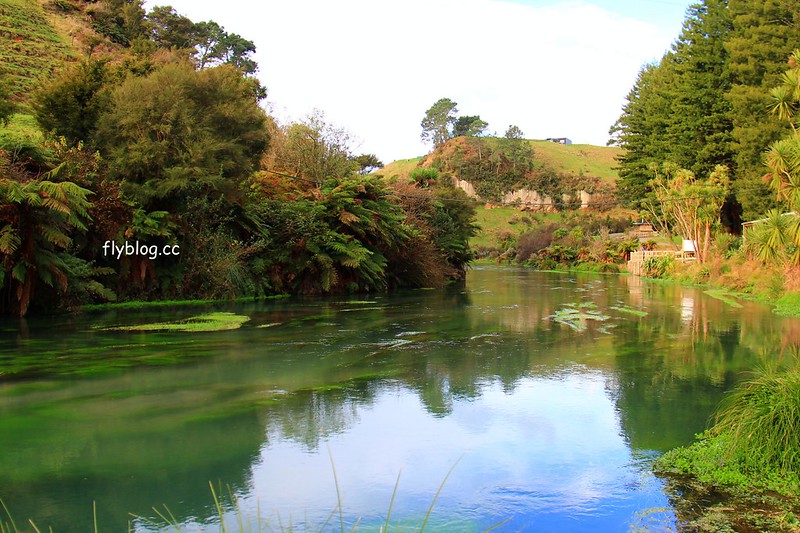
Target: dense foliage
(703, 104)
(164, 145)
(498, 166)
(577, 241)
(776, 238)
(762, 37)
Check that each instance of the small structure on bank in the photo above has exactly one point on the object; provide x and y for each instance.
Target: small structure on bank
(753, 223)
(644, 230)
(687, 253)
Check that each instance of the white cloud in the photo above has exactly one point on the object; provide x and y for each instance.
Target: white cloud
(374, 67)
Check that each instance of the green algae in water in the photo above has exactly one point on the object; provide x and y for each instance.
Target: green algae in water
(606, 329)
(200, 323)
(723, 296)
(576, 318)
(628, 310)
(583, 305)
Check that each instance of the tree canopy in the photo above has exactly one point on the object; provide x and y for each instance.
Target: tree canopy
(762, 37)
(677, 110)
(179, 129)
(71, 106)
(470, 126)
(438, 122)
(158, 137)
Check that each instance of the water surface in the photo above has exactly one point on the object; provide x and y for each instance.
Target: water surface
(546, 396)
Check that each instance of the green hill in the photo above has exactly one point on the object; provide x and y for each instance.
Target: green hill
(598, 161)
(558, 169)
(32, 48)
(586, 159)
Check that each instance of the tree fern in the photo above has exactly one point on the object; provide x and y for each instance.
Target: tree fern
(38, 216)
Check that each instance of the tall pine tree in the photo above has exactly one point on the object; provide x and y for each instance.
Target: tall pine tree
(676, 111)
(641, 130)
(700, 129)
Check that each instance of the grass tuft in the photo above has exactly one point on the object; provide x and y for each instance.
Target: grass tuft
(436, 496)
(762, 420)
(743, 473)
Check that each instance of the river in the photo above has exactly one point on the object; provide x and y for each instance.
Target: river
(532, 400)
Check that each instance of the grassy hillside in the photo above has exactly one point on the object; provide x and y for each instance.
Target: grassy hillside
(502, 224)
(597, 161)
(31, 48)
(498, 224)
(400, 169)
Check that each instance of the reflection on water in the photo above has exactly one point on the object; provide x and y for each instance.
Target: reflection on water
(552, 427)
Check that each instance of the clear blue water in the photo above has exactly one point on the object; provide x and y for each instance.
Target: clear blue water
(542, 424)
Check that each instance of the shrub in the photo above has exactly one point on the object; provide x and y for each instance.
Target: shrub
(658, 267)
(702, 275)
(762, 419)
(534, 241)
(424, 177)
(727, 245)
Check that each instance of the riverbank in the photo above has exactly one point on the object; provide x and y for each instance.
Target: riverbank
(587, 267)
(742, 474)
(719, 482)
(141, 304)
(711, 496)
(720, 278)
(741, 277)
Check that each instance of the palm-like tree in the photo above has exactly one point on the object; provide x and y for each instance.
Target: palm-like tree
(783, 161)
(37, 217)
(772, 237)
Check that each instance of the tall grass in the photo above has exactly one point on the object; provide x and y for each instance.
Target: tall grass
(166, 519)
(230, 518)
(762, 421)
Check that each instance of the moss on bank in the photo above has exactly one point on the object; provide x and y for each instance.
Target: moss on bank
(138, 304)
(711, 494)
(788, 304)
(742, 474)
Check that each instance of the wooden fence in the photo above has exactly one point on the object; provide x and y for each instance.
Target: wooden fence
(637, 259)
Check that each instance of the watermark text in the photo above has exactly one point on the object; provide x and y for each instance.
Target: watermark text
(153, 251)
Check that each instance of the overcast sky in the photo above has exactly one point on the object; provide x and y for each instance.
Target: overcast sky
(554, 68)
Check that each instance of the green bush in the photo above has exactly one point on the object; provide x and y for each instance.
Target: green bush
(658, 267)
(762, 420)
(424, 177)
(727, 245)
(609, 268)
